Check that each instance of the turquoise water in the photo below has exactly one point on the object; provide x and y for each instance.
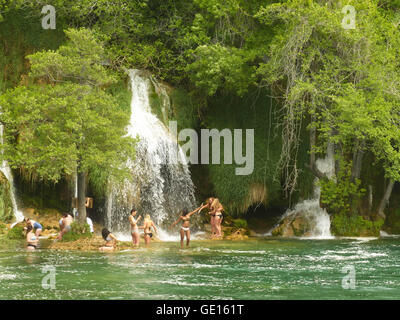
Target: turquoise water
(255, 269)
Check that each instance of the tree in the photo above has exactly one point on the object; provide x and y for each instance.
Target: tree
(65, 121)
(343, 82)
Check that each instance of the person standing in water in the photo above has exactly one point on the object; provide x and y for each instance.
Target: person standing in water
(111, 240)
(217, 209)
(31, 239)
(134, 227)
(211, 212)
(147, 225)
(66, 225)
(185, 228)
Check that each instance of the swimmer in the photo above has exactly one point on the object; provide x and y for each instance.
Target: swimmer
(111, 240)
(134, 227)
(185, 228)
(31, 239)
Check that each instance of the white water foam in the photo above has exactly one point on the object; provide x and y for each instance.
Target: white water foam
(161, 184)
(310, 209)
(5, 168)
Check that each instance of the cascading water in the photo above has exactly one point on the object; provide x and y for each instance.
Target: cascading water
(317, 218)
(161, 183)
(8, 174)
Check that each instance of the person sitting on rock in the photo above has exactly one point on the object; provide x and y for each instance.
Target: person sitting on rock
(111, 240)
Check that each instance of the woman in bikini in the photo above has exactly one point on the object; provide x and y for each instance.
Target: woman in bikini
(185, 228)
(31, 238)
(111, 240)
(134, 227)
(217, 209)
(147, 225)
(211, 212)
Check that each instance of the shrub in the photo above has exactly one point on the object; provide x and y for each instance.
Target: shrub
(78, 231)
(240, 223)
(354, 225)
(16, 233)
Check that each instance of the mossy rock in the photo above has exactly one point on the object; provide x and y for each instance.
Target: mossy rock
(237, 234)
(293, 226)
(78, 231)
(6, 207)
(239, 223)
(354, 226)
(16, 233)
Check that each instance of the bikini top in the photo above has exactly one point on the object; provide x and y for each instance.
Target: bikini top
(184, 218)
(108, 238)
(33, 238)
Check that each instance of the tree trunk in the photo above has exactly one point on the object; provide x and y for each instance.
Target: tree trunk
(81, 197)
(357, 162)
(385, 199)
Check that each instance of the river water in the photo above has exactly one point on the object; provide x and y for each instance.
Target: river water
(262, 268)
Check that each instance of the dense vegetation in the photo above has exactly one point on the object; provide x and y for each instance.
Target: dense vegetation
(288, 69)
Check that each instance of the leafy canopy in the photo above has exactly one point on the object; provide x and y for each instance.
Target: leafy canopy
(65, 119)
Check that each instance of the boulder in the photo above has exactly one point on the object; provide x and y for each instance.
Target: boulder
(295, 225)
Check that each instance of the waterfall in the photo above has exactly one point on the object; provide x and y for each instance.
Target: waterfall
(161, 184)
(8, 174)
(317, 218)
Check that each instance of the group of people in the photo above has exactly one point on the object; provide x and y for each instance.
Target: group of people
(34, 229)
(215, 209)
(147, 227)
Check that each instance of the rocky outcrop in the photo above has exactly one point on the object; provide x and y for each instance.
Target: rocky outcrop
(295, 225)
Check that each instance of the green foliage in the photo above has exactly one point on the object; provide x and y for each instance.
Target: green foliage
(78, 231)
(71, 122)
(16, 233)
(341, 195)
(392, 222)
(6, 207)
(354, 225)
(239, 223)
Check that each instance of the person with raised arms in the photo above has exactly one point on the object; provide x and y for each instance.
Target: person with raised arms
(185, 228)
